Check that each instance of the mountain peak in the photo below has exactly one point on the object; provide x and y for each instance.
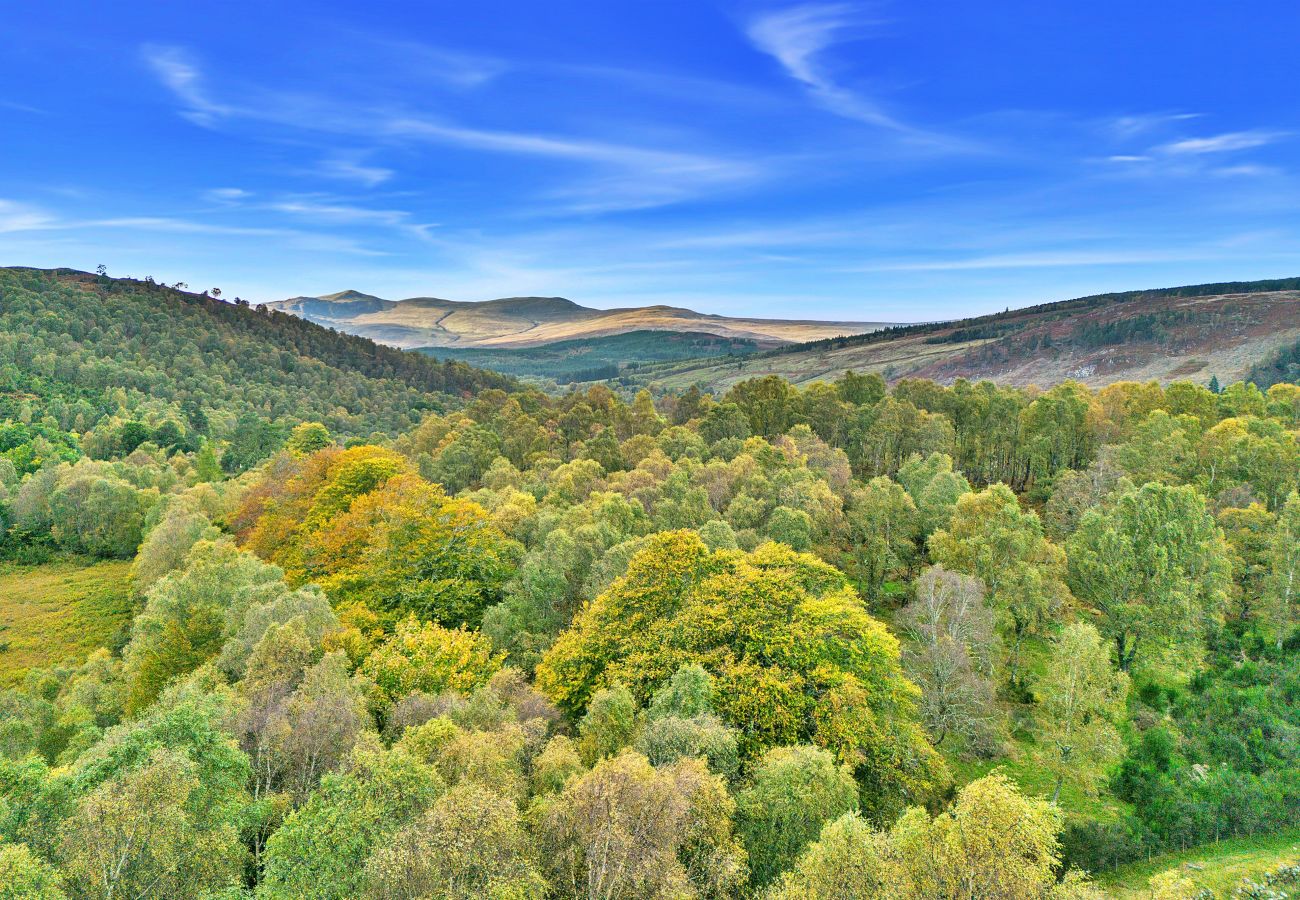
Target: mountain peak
(348, 296)
(531, 321)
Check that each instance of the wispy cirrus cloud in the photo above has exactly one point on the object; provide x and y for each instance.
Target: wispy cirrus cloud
(175, 70)
(319, 209)
(619, 176)
(800, 39)
(15, 217)
(226, 195)
(1186, 157)
(1221, 143)
(15, 106)
(1135, 125)
(535, 144)
(330, 210)
(461, 70)
(19, 218)
(352, 169)
(1040, 260)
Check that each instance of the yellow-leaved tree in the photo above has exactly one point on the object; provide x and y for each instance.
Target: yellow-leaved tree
(793, 653)
(368, 530)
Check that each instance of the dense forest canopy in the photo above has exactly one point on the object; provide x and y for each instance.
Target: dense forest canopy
(81, 349)
(408, 630)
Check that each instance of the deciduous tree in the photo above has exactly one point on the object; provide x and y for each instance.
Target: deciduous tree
(992, 538)
(1080, 703)
(1155, 566)
(795, 791)
(951, 658)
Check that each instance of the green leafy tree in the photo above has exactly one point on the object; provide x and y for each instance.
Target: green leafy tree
(860, 390)
(470, 844)
(308, 437)
(322, 849)
(1249, 531)
(1154, 566)
(187, 613)
(993, 539)
(849, 861)
(724, 420)
(1281, 589)
(883, 527)
(206, 465)
(1080, 702)
(25, 876)
(252, 440)
(609, 724)
(771, 403)
(405, 548)
(993, 842)
(795, 791)
(680, 723)
(98, 515)
(1058, 431)
(934, 487)
(893, 430)
(627, 829)
(431, 659)
(133, 836)
(168, 543)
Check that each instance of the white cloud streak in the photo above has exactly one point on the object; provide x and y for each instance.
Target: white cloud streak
(625, 176)
(182, 78)
(797, 38)
(341, 169)
(1220, 143)
(16, 217)
(1043, 260)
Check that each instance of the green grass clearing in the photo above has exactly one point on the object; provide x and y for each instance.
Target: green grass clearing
(58, 612)
(1221, 865)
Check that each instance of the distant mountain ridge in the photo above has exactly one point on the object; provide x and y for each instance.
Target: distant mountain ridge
(420, 322)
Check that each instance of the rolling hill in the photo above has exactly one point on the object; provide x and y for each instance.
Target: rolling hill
(80, 347)
(590, 359)
(534, 321)
(1189, 333)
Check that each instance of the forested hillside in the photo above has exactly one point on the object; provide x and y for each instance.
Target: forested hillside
(595, 359)
(1192, 333)
(847, 641)
(80, 349)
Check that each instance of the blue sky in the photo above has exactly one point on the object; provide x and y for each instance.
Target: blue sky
(877, 161)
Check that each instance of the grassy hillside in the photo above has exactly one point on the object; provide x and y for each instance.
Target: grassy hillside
(79, 347)
(596, 358)
(58, 612)
(534, 321)
(1188, 333)
(1217, 867)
